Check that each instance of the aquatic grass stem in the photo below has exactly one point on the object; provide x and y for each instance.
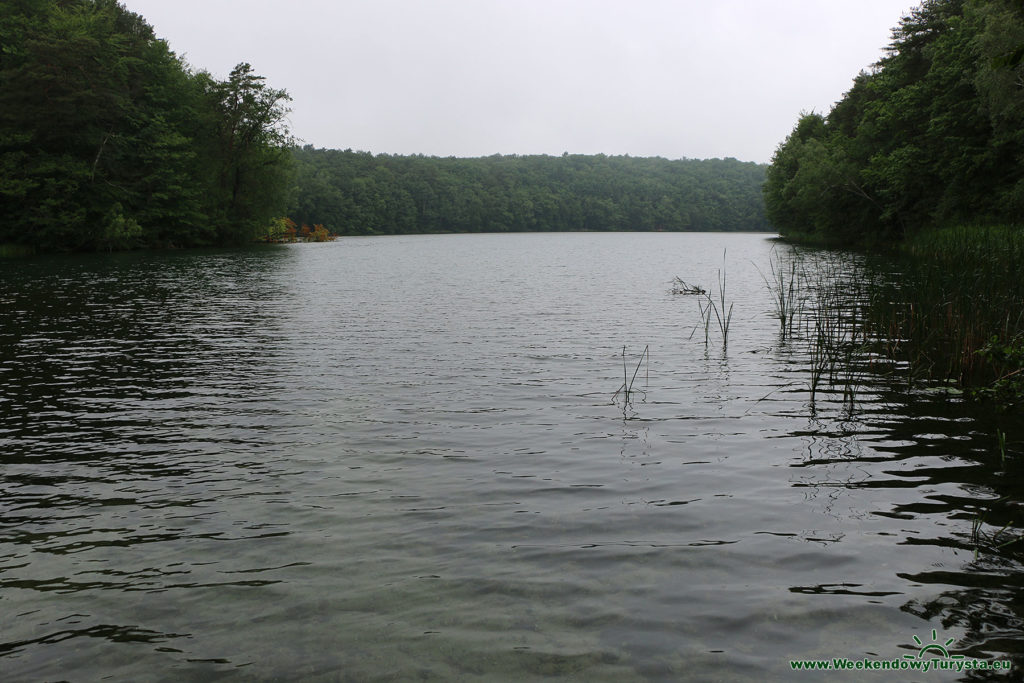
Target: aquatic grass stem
(722, 314)
(784, 292)
(627, 381)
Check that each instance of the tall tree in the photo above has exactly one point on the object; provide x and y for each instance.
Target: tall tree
(248, 120)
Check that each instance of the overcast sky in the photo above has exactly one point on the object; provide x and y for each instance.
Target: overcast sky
(670, 78)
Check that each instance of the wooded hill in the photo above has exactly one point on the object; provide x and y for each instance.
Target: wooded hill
(931, 135)
(359, 193)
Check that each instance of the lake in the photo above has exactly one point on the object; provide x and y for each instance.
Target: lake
(410, 458)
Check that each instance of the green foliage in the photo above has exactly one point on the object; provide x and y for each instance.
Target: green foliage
(252, 152)
(118, 232)
(932, 135)
(280, 229)
(1007, 357)
(359, 193)
(108, 141)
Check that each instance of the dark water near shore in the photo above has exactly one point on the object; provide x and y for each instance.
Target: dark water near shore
(402, 459)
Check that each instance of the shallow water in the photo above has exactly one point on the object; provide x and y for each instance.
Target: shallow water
(404, 458)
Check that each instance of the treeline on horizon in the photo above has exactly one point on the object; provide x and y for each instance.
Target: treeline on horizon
(931, 136)
(108, 140)
(360, 193)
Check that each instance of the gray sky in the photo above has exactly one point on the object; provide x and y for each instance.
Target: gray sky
(671, 78)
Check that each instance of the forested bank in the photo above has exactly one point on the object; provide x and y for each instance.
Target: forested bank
(932, 135)
(109, 141)
(360, 193)
(924, 157)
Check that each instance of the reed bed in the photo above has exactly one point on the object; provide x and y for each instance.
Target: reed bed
(957, 314)
(15, 250)
(785, 283)
(832, 323)
(950, 311)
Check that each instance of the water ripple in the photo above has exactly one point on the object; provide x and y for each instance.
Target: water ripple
(406, 458)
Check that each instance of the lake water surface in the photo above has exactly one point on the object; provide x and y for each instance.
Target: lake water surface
(403, 458)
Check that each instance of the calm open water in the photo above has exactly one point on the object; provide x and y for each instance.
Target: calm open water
(402, 458)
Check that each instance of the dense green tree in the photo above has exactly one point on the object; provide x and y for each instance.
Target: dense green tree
(931, 135)
(1000, 84)
(251, 150)
(359, 193)
(108, 141)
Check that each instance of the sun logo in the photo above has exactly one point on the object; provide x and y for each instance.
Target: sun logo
(934, 647)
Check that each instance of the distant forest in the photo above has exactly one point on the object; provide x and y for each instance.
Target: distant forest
(109, 141)
(359, 193)
(932, 135)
